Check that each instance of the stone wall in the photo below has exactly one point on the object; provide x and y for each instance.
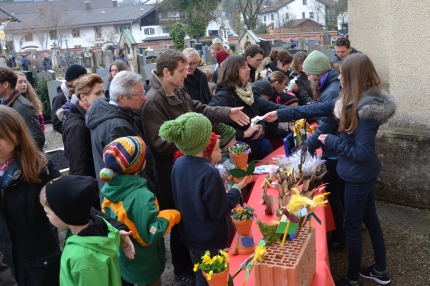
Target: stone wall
(393, 33)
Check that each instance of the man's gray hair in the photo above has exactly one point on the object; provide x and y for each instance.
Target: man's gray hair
(123, 83)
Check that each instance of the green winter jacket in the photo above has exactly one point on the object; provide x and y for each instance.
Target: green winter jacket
(91, 260)
(128, 200)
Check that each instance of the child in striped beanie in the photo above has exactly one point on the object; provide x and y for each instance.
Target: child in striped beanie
(128, 200)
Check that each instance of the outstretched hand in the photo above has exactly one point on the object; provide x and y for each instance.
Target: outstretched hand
(238, 116)
(271, 116)
(126, 244)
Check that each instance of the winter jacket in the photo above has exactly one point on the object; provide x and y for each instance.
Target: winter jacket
(128, 199)
(36, 253)
(328, 124)
(107, 122)
(57, 102)
(25, 63)
(46, 64)
(252, 76)
(271, 67)
(162, 105)
(197, 87)
(201, 199)
(26, 109)
(358, 161)
(6, 276)
(90, 257)
(336, 59)
(77, 140)
(304, 94)
(224, 97)
(123, 58)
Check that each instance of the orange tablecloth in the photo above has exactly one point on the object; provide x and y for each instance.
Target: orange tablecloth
(322, 274)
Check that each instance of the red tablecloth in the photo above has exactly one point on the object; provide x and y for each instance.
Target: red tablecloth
(322, 275)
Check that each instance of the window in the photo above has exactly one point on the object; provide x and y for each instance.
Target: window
(272, 17)
(120, 28)
(149, 31)
(167, 30)
(98, 32)
(311, 15)
(53, 35)
(28, 37)
(264, 19)
(305, 2)
(78, 46)
(303, 15)
(76, 33)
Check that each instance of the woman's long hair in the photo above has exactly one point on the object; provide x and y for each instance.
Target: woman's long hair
(228, 74)
(121, 65)
(358, 75)
(13, 130)
(31, 95)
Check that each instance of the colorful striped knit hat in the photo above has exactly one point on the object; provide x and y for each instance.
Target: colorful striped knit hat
(124, 155)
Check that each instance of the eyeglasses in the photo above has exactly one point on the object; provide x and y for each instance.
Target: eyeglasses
(191, 64)
(142, 94)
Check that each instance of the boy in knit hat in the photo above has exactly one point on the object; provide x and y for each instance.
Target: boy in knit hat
(198, 189)
(127, 199)
(90, 252)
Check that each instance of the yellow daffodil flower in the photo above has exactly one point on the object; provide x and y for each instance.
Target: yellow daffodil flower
(206, 259)
(225, 265)
(196, 267)
(220, 259)
(209, 275)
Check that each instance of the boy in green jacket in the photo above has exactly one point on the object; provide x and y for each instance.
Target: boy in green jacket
(128, 200)
(90, 255)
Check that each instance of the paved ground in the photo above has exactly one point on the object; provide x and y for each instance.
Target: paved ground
(406, 232)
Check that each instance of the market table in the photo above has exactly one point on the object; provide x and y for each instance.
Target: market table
(322, 274)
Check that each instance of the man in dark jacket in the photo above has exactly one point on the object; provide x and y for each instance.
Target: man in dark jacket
(25, 62)
(11, 97)
(46, 63)
(111, 120)
(343, 49)
(167, 100)
(254, 56)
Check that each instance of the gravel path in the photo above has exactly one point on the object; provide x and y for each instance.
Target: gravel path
(406, 232)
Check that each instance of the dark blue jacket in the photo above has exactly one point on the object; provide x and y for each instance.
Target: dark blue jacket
(205, 208)
(328, 124)
(358, 161)
(25, 63)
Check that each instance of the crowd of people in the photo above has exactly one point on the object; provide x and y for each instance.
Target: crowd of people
(142, 163)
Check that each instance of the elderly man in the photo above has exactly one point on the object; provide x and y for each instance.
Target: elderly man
(196, 82)
(111, 120)
(343, 48)
(167, 100)
(12, 97)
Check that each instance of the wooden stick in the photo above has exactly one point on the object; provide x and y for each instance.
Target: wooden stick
(285, 234)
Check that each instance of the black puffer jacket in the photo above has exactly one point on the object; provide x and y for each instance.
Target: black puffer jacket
(35, 252)
(77, 140)
(107, 122)
(304, 94)
(57, 102)
(197, 87)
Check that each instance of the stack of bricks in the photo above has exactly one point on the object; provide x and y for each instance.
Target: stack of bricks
(293, 265)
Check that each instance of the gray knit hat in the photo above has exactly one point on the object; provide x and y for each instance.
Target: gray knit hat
(190, 132)
(316, 63)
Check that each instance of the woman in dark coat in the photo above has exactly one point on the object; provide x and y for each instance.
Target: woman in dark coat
(280, 60)
(114, 69)
(302, 87)
(234, 90)
(196, 82)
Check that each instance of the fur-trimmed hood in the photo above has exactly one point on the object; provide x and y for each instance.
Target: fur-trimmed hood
(376, 105)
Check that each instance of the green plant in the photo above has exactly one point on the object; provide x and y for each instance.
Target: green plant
(42, 89)
(232, 47)
(176, 33)
(268, 232)
(242, 213)
(213, 265)
(239, 173)
(239, 148)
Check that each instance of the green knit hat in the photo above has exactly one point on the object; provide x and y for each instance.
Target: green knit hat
(316, 63)
(190, 132)
(227, 133)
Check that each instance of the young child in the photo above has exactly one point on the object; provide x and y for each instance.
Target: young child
(198, 189)
(90, 252)
(212, 85)
(128, 200)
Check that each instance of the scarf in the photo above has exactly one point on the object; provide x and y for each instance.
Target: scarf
(245, 93)
(65, 90)
(12, 98)
(323, 80)
(10, 174)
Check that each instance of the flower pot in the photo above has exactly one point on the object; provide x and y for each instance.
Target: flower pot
(219, 279)
(243, 228)
(248, 180)
(240, 160)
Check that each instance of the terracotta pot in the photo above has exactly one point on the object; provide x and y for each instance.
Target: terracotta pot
(219, 279)
(240, 160)
(243, 228)
(248, 180)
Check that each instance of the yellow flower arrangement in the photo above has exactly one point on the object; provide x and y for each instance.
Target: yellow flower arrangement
(213, 265)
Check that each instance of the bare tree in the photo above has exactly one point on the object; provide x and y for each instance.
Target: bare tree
(319, 11)
(250, 10)
(285, 20)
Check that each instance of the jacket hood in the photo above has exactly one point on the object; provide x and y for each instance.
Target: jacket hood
(101, 111)
(102, 244)
(376, 105)
(156, 83)
(120, 186)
